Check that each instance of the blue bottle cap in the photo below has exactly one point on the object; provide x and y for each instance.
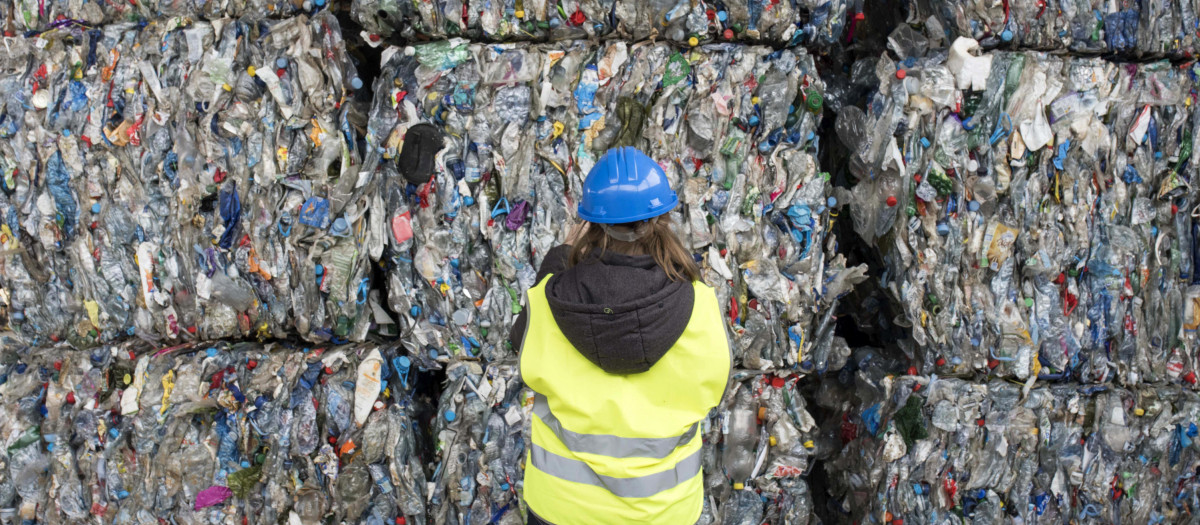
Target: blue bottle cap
(1006, 35)
(973, 205)
(722, 15)
(356, 83)
(211, 352)
(245, 464)
(753, 120)
(405, 362)
(320, 270)
(320, 3)
(123, 494)
(943, 229)
(96, 207)
(450, 415)
(281, 62)
(831, 202)
(433, 354)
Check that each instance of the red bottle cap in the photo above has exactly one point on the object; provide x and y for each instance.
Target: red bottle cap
(891, 201)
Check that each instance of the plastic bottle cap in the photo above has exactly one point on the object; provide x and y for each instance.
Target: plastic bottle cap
(1139, 411)
(762, 413)
(405, 362)
(281, 62)
(96, 207)
(773, 441)
(1029, 302)
(1006, 35)
(520, 13)
(722, 15)
(754, 100)
(900, 74)
(320, 269)
(809, 444)
(728, 34)
(891, 201)
(450, 415)
(693, 41)
(319, 3)
(973, 205)
(356, 83)
(738, 486)
(251, 70)
(831, 202)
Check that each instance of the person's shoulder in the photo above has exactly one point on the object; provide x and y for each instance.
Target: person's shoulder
(555, 260)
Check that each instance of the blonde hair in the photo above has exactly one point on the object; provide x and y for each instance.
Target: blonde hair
(660, 242)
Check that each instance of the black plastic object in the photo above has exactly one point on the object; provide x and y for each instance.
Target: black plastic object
(422, 142)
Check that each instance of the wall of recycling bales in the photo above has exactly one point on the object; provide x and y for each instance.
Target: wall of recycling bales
(228, 298)
(956, 272)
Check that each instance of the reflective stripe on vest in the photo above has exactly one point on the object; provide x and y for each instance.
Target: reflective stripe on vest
(609, 445)
(639, 487)
(616, 449)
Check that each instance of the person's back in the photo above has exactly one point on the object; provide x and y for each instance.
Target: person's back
(626, 351)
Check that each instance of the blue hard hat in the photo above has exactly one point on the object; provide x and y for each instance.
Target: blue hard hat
(624, 186)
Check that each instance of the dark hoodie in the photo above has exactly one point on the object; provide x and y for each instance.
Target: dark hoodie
(620, 311)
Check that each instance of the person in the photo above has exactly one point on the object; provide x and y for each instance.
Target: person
(626, 351)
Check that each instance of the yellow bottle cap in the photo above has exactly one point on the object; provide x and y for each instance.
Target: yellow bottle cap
(1139, 412)
(808, 444)
(520, 13)
(251, 70)
(227, 87)
(693, 41)
(738, 486)
(754, 100)
(773, 441)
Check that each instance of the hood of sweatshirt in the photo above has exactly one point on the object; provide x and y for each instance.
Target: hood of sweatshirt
(620, 311)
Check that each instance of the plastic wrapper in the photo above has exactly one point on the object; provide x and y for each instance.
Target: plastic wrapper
(794, 22)
(179, 182)
(1033, 213)
(929, 450)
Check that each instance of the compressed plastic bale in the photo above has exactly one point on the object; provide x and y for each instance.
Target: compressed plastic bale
(1133, 29)
(208, 436)
(26, 16)
(811, 22)
(1000, 452)
(189, 192)
(1026, 223)
(465, 245)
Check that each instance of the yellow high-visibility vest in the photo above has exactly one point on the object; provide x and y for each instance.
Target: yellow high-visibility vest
(619, 449)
